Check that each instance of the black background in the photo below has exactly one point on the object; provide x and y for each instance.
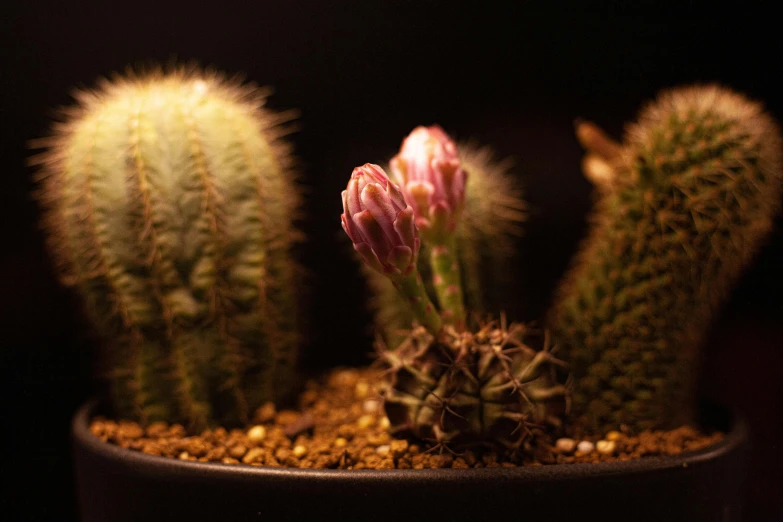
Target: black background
(363, 74)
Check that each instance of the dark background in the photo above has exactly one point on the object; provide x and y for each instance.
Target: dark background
(363, 74)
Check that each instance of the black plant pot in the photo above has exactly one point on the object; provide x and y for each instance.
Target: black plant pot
(117, 485)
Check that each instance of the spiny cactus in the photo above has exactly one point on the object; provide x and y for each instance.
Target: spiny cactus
(491, 219)
(457, 389)
(683, 205)
(169, 204)
(444, 383)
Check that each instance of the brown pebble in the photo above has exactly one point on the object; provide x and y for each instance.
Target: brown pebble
(398, 448)
(253, 455)
(300, 451)
(129, 430)
(265, 413)
(302, 424)
(237, 451)
(256, 434)
(365, 421)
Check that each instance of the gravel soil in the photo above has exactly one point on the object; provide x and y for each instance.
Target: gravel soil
(340, 424)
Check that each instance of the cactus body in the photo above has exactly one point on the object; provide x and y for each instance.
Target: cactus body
(490, 220)
(169, 202)
(460, 388)
(682, 207)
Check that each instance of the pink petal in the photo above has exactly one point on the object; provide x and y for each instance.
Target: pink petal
(406, 229)
(369, 256)
(396, 196)
(373, 233)
(420, 194)
(375, 200)
(401, 257)
(352, 200)
(350, 228)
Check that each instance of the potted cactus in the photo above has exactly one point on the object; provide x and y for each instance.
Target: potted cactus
(170, 207)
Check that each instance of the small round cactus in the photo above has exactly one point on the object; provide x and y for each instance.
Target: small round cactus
(683, 205)
(169, 205)
(459, 388)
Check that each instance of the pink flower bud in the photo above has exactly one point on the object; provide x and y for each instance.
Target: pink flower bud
(379, 222)
(432, 180)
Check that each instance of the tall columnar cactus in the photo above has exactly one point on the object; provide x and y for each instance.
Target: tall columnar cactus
(445, 383)
(491, 218)
(683, 205)
(169, 204)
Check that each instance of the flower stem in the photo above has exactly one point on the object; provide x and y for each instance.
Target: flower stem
(412, 290)
(447, 281)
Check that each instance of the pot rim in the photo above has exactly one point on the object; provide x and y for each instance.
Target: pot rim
(81, 435)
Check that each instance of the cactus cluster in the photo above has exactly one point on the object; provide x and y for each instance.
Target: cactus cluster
(683, 205)
(444, 382)
(170, 204)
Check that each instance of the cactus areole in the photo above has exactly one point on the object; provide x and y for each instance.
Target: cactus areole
(169, 204)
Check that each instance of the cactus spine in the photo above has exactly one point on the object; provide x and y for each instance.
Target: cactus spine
(169, 203)
(683, 205)
(490, 221)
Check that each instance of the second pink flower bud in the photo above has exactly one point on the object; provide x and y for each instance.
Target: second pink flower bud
(431, 178)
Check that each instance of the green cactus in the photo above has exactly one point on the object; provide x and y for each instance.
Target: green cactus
(683, 205)
(489, 387)
(169, 202)
(491, 219)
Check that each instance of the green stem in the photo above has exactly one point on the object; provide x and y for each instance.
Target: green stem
(447, 281)
(412, 290)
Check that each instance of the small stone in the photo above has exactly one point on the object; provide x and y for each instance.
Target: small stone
(585, 447)
(344, 378)
(383, 450)
(339, 442)
(265, 413)
(302, 424)
(442, 461)
(157, 429)
(361, 390)
(379, 439)
(129, 430)
(365, 421)
(613, 435)
(229, 460)
(256, 434)
(565, 445)
(398, 448)
(384, 423)
(184, 455)
(286, 417)
(605, 447)
(346, 431)
(254, 455)
(370, 406)
(237, 451)
(299, 451)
